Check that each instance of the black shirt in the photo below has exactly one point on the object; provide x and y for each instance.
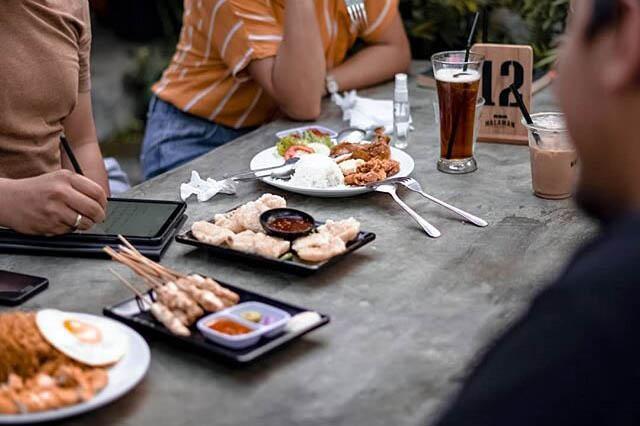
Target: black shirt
(574, 357)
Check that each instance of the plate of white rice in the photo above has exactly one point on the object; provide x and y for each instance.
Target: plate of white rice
(319, 176)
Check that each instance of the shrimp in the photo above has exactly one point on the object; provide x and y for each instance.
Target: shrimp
(347, 230)
(319, 247)
(210, 233)
(270, 247)
(272, 201)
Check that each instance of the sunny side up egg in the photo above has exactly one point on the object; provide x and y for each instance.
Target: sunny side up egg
(94, 342)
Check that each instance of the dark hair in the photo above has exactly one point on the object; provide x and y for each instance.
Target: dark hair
(605, 13)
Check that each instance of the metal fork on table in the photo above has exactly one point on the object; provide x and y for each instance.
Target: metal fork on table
(357, 13)
(390, 189)
(414, 185)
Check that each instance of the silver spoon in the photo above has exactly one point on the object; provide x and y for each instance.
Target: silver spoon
(239, 175)
(284, 174)
(431, 230)
(351, 135)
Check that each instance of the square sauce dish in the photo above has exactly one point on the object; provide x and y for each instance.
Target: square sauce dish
(243, 325)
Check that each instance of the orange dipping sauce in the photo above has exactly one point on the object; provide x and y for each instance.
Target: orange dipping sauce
(229, 327)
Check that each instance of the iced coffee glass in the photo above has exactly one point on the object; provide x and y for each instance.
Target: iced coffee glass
(554, 160)
(458, 83)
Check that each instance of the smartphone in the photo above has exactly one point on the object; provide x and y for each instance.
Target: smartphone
(17, 288)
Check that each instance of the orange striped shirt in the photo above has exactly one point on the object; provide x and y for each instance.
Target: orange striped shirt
(207, 75)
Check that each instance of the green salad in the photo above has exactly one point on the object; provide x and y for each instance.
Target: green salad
(305, 138)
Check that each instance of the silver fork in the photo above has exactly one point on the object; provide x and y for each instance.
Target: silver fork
(357, 12)
(414, 185)
(431, 230)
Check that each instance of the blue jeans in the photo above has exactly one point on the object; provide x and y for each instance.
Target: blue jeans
(174, 137)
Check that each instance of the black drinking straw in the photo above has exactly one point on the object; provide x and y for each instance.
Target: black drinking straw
(525, 112)
(72, 157)
(472, 36)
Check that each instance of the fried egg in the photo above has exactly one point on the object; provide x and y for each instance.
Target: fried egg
(92, 341)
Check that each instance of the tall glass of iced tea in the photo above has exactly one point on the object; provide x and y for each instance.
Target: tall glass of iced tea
(458, 81)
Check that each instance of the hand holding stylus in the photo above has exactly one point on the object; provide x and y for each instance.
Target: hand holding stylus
(50, 204)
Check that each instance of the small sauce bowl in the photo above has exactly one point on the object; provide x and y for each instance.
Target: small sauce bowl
(288, 224)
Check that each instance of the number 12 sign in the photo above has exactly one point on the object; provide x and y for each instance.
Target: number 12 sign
(504, 65)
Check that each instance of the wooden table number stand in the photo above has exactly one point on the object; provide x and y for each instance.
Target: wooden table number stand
(504, 65)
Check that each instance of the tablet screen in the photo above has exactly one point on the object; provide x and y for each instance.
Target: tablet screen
(135, 219)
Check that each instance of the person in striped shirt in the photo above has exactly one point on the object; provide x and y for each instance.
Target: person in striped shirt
(241, 63)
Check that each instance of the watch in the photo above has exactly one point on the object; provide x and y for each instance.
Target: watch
(332, 85)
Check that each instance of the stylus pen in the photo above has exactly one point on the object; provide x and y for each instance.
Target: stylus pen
(72, 157)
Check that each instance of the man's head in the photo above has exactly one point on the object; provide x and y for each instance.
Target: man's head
(599, 89)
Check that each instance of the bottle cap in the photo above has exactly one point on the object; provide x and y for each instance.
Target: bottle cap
(401, 82)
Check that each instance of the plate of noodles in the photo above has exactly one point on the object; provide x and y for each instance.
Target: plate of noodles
(331, 170)
(55, 364)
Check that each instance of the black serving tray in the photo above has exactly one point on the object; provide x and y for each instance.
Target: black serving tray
(295, 265)
(131, 313)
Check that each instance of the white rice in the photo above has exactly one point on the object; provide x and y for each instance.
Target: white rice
(317, 171)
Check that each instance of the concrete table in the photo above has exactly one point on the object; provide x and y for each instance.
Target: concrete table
(409, 313)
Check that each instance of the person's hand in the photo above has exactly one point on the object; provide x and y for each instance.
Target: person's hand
(50, 204)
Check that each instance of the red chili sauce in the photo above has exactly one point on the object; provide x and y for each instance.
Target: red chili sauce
(229, 327)
(289, 224)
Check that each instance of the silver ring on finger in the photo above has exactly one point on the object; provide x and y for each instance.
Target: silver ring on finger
(76, 225)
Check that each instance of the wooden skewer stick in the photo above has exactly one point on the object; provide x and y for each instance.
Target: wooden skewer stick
(150, 266)
(132, 265)
(164, 269)
(129, 245)
(129, 286)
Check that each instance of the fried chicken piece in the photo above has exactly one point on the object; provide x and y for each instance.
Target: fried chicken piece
(347, 230)
(391, 167)
(365, 178)
(318, 247)
(373, 171)
(381, 136)
(210, 233)
(344, 148)
(350, 167)
(377, 150)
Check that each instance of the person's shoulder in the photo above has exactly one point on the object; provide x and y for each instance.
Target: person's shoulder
(601, 284)
(612, 257)
(77, 8)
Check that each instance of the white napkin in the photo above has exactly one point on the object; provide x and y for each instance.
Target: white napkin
(205, 189)
(365, 113)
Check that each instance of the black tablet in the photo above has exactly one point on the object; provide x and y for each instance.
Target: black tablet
(144, 222)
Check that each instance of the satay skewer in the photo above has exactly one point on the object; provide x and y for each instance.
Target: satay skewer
(158, 310)
(132, 265)
(164, 268)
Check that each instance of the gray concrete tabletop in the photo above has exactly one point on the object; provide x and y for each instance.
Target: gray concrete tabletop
(409, 313)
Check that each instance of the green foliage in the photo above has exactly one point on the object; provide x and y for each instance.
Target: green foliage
(442, 24)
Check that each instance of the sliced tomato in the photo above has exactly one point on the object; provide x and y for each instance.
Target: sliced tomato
(294, 150)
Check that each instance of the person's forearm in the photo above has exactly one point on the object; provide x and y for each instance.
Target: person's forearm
(372, 65)
(299, 68)
(90, 159)
(5, 202)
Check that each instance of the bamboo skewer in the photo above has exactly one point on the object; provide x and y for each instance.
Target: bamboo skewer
(129, 286)
(183, 298)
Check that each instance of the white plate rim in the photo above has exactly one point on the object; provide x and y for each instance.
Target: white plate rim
(142, 360)
(397, 154)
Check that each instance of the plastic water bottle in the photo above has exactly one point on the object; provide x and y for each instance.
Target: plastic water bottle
(401, 112)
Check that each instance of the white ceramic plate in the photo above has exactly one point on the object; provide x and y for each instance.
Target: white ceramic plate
(123, 376)
(270, 158)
